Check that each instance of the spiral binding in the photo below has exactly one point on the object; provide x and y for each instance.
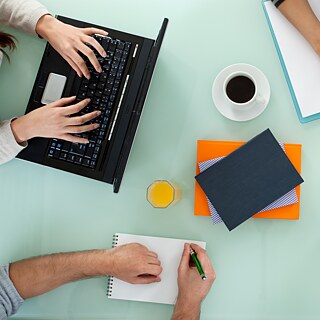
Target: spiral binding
(110, 278)
(110, 286)
(115, 240)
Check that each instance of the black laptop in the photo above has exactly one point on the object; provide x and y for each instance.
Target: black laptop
(119, 92)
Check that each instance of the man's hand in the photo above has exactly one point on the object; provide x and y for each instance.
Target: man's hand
(134, 263)
(192, 289)
(69, 41)
(54, 121)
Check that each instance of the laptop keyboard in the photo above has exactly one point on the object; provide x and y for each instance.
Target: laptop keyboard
(102, 89)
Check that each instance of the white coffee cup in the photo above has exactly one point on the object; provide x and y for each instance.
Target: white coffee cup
(256, 98)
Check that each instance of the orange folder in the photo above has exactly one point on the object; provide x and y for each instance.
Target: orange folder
(207, 150)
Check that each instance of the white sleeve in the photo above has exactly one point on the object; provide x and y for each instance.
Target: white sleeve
(21, 14)
(9, 147)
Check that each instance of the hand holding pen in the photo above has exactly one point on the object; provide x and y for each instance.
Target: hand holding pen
(192, 289)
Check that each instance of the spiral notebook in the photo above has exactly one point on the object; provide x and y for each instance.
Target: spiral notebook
(169, 253)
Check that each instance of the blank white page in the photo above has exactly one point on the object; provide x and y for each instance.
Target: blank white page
(169, 253)
(302, 63)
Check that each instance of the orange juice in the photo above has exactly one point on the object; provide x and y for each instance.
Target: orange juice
(161, 194)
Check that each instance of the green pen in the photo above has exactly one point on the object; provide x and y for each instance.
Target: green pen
(198, 265)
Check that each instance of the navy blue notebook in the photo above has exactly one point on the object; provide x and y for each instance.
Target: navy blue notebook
(249, 179)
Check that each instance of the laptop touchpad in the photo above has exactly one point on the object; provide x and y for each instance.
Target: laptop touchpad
(54, 88)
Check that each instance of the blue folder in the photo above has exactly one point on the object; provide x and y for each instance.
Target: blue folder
(295, 102)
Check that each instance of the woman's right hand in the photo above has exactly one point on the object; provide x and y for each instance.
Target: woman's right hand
(55, 120)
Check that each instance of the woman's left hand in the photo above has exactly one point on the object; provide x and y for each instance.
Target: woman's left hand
(69, 41)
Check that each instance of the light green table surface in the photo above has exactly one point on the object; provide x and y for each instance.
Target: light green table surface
(266, 269)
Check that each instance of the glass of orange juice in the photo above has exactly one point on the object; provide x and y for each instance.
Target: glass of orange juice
(162, 194)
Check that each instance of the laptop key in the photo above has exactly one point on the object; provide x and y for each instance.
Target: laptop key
(70, 158)
(82, 95)
(89, 151)
(56, 154)
(100, 85)
(86, 162)
(101, 134)
(98, 93)
(104, 99)
(78, 149)
(114, 70)
(78, 160)
(96, 101)
(95, 77)
(119, 75)
(121, 45)
(84, 87)
(63, 156)
(66, 146)
(116, 84)
(93, 86)
(98, 38)
(105, 43)
(105, 119)
(90, 93)
(106, 67)
(127, 46)
(103, 77)
(118, 53)
(107, 91)
(112, 45)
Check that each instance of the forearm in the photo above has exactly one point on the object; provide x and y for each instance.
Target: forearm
(35, 276)
(185, 310)
(300, 14)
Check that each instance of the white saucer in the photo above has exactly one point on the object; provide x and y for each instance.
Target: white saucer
(225, 108)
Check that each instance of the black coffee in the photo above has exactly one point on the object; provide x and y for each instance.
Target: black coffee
(240, 89)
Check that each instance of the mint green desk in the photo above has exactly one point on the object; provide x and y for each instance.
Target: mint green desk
(265, 269)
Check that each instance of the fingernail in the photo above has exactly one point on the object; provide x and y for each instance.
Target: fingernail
(98, 113)
(87, 141)
(104, 54)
